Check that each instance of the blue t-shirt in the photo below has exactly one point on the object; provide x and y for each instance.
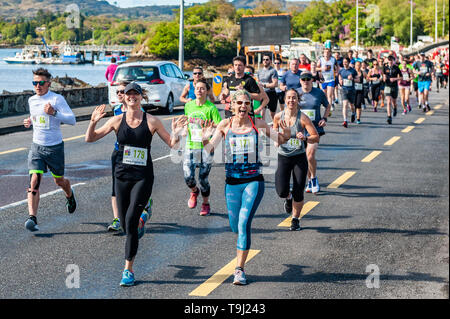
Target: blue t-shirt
(291, 80)
(310, 104)
(344, 73)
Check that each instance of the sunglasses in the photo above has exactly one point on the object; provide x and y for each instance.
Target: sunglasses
(230, 72)
(41, 83)
(266, 59)
(120, 91)
(276, 63)
(197, 73)
(306, 79)
(248, 73)
(247, 103)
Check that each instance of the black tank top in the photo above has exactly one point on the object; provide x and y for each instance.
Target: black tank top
(134, 148)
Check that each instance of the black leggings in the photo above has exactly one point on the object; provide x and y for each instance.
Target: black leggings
(297, 166)
(132, 196)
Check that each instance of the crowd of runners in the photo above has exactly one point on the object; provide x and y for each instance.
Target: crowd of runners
(300, 100)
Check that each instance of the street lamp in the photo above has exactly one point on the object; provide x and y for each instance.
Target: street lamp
(181, 42)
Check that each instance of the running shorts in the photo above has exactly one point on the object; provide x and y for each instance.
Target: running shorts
(41, 158)
(424, 85)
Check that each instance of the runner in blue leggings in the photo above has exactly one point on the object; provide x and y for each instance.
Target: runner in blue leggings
(244, 187)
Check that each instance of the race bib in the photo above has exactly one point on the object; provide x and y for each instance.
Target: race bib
(328, 76)
(196, 133)
(242, 145)
(423, 70)
(293, 143)
(134, 155)
(364, 81)
(347, 82)
(310, 113)
(375, 81)
(41, 121)
(387, 89)
(315, 85)
(406, 76)
(358, 86)
(438, 71)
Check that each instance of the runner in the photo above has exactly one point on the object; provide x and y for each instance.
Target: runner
(134, 168)
(244, 186)
(416, 80)
(375, 76)
(446, 72)
(366, 84)
(317, 78)
(48, 111)
(304, 64)
(311, 99)
(370, 58)
(268, 78)
(351, 58)
(438, 71)
(392, 75)
(292, 160)
(291, 79)
(339, 66)
(111, 69)
(359, 90)
(281, 72)
(188, 93)
(328, 65)
(198, 111)
(424, 69)
(238, 80)
(382, 65)
(405, 85)
(146, 214)
(346, 79)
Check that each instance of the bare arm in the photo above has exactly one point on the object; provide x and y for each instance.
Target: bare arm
(185, 92)
(92, 134)
(309, 126)
(155, 125)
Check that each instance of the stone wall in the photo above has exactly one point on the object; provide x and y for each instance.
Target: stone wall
(17, 103)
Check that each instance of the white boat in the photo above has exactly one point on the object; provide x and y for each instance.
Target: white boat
(21, 58)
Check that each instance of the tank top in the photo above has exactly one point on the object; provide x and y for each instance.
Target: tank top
(134, 161)
(191, 94)
(293, 146)
(328, 75)
(378, 76)
(406, 78)
(242, 163)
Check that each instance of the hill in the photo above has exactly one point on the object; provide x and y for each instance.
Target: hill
(29, 8)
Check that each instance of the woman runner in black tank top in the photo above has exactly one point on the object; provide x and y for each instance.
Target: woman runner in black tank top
(134, 168)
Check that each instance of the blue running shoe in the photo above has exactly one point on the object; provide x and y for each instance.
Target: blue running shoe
(308, 186)
(141, 228)
(127, 278)
(315, 185)
(31, 224)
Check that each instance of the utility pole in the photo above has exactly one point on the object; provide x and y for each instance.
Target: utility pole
(181, 42)
(357, 26)
(411, 27)
(443, 18)
(435, 22)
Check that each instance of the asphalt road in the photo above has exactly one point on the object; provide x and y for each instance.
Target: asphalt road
(388, 221)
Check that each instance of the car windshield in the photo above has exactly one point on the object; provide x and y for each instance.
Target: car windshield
(136, 73)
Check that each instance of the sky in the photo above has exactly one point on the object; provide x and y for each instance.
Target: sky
(135, 3)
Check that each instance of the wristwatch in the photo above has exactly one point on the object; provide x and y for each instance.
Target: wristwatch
(325, 119)
(54, 113)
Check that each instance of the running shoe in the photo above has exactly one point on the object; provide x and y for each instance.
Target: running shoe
(141, 228)
(358, 121)
(295, 224)
(382, 104)
(389, 120)
(404, 112)
(206, 210)
(148, 208)
(31, 224)
(364, 106)
(424, 109)
(308, 187)
(127, 278)
(239, 277)
(71, 203)
(375, 109)
(115, 225)
(419, 106)
(192, 202)
(345, 124)
(395, 111)
(409, 108)
(315, 185)
(353, 117)
(428, 107)
(288, 205)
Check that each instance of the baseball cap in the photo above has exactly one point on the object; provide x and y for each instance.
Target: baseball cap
(133, 86)
(306, 74)
(422, 53)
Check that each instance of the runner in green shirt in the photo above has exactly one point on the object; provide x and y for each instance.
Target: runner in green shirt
(198, 111)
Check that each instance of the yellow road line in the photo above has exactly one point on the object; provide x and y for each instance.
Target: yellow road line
(73, 138)
(371, 156)
(219, 277)
(430, 112)
(408, 129)
(341, 180)
(437, 107)
(14, 150)
(305, 210)
(392, 140)
(419, 120)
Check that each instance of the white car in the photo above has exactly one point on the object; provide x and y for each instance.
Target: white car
(163, 81)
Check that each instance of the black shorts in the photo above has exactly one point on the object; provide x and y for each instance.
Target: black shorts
(280, 96)
(359, 98)
(348, 95)
(393, 93)
(273, 100)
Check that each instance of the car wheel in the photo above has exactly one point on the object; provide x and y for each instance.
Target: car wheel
(169, 105)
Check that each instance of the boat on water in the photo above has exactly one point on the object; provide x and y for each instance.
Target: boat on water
(107, 59)
(70, 56)
(21, 58)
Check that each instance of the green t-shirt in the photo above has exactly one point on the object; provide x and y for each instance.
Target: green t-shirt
(196, 114)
